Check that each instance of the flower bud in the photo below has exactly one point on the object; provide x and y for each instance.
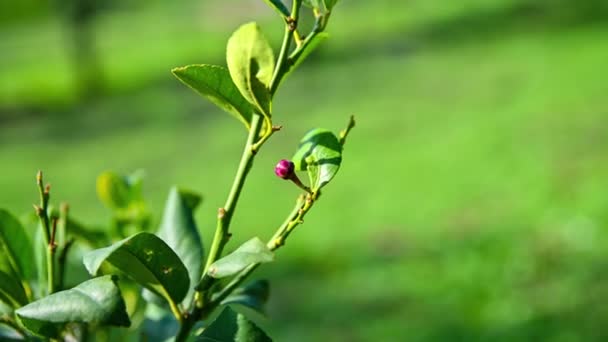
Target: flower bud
(284, 169)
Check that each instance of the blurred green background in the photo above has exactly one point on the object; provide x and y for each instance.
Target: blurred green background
(473, 199)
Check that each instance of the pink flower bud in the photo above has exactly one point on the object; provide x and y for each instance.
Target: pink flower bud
(284, 169)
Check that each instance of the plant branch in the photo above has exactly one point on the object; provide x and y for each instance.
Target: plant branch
(291, 23)
(222, 233)
(42, 211)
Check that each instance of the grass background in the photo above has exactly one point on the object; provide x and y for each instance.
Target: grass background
(472, 201)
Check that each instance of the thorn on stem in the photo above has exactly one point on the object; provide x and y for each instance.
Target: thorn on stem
(221, 212)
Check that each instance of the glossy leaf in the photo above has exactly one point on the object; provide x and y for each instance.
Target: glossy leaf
(148, 260)
(15, 248)
(248, 331)
(12, 292)
(97, 301)
(252, 251)
(222, 329)
(279, 6)
(214, 83)
(320, 154)
(253, 296)
(251, 65)
(179, 231)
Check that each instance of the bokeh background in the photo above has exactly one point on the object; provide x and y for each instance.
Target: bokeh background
(472, 203)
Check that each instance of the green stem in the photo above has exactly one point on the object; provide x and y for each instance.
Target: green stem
(49, 234)
(281, 68)
(222, 233)
(293, 219)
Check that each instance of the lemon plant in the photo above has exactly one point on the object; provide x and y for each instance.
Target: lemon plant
(160, 281)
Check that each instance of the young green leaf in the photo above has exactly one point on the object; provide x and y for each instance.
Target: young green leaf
(149, 261)
(97, 301)
(252, 251)
(113, 190)
(179, 231)
(12, 292)
(320, 154)
(253, 296)
(15, 247)
(214, 83)
(251, 64)
(279, 6)
(249, 332)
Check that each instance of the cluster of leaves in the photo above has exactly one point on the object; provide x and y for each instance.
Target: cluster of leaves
(166, 273)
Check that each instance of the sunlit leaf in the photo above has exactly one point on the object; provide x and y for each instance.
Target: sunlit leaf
(251, 64)
(97, 301)
(320, 154)
(148, 260)
(252, 251)
(214, 83)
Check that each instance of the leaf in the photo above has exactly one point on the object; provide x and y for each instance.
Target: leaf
(12, 292)
(149, 261)
(319, 153)
(214, 83)
(97, 301)
(15, 247)
(253, 296)
(279, 7)
(251, 65)
(252, 251)
(113, 190)
(222, 329)
(249, 332)
(179, 231)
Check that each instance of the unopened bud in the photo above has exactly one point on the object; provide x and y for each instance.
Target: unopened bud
(284, 169)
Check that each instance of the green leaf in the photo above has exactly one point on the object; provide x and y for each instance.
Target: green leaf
(320, 154)
(12, 292)
(214, 83)
(222, 329)
(252, 251)
(149, 261)
(253, 296)
(97, 301)
(15, 248)
(251, 64)
(113, 190)
(279, 7)
(179, 231)
(249, 331)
